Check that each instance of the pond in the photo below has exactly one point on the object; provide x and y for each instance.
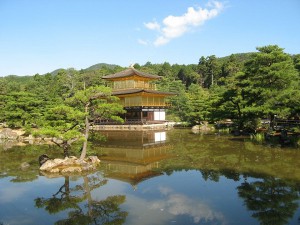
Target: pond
(156, 177)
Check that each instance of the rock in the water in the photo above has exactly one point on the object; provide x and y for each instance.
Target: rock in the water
(202, 128)
(94, 159)
(70, 165)
(43, 158)
(8, 133)
(48, 165)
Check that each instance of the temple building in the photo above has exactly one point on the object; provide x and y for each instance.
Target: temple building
(139, 97)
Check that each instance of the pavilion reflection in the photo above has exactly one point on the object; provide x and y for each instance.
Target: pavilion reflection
(133, 156)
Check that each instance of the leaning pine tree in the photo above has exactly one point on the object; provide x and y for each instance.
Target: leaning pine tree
(95, 102)
(71, 122)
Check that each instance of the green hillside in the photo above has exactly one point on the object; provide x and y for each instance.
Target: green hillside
(99, 66)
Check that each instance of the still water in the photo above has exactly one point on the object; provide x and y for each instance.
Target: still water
(173, 177)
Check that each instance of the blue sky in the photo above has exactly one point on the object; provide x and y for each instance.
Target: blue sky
(39, 36)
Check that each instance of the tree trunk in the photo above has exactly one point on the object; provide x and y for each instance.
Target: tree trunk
(86, 135)
(66, 148)
(272, 121)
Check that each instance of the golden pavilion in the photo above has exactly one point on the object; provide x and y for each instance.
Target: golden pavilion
(139, 97)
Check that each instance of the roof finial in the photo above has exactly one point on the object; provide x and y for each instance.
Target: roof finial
(132, 65)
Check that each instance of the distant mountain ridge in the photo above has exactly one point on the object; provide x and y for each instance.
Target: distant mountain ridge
(97, 66)
(241, 57)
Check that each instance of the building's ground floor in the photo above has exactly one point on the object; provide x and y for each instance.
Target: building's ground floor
(139, 115)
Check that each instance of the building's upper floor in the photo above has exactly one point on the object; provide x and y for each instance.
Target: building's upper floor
(131, 79)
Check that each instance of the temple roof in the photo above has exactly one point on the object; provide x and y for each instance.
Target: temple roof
(133, 91)
(130, 72)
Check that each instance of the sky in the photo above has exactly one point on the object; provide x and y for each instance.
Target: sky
(40, 36)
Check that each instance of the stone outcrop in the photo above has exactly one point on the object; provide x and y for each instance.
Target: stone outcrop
(204, 127)
(10, 138)
(9, 134)
(70, 165)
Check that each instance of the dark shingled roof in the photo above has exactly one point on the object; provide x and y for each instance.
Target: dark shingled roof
(133, 91)
(130, 72)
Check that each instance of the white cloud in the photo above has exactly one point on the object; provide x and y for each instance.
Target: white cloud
(176, 26)
(161, 41)
(152, 25)
(142, 42)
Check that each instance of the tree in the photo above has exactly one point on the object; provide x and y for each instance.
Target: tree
(209, 70)
(20, 109)
(63, 123)
(95, 102)
(198, 104)
(263, 89)
(213, 71)
(68, 81)
(202, 70)
(230, 67)
(296, 59)
(188, 75)
(70, 121)
(268, 80)
(178, 102)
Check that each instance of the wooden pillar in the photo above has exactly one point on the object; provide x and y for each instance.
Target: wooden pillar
(141, 115)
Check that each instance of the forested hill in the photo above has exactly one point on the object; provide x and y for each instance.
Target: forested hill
(97, 66)
(100, 66)
(243, 87)
(240, 57)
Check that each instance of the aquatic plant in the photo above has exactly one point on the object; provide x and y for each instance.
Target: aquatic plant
(258, 137)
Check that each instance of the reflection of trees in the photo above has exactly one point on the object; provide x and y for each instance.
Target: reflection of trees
(11, 160)
(59, 201)
(210, 175)
(272, 200)
(221, 152)
(105, 211)
(214, 175)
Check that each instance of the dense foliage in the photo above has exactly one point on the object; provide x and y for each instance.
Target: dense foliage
(242, 87)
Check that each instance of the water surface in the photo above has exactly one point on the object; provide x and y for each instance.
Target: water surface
(151, 177)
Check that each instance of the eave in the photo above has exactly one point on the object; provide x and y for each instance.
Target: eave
(141, 91)
(129, 73)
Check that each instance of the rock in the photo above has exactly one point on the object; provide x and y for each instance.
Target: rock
(70, 165)
(203, 127)
(58, 161)
(94, 159)
(47, 139)
(8, 133)
(48, 165)
(70, 161)
(58, 141)
(30, 137)
(25, 165)
(43, 158)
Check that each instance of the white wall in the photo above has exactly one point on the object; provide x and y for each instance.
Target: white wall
(159, 115)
